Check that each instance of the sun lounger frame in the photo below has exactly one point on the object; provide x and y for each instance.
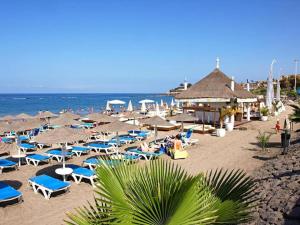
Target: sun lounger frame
(46, 191)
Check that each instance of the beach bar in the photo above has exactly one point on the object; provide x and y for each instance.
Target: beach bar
(215, 91)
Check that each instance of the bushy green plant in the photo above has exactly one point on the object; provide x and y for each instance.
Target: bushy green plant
(263, 139)
(292, 93)
(264, 111)
(295, 117)
(163, 193)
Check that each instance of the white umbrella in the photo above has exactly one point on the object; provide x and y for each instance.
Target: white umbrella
(107, 106)
(278, 91)
(146, 101)
(143, 108)
(270, 88)
(167, 107)
(130, 107)
(177, 104)
(172, 103)
(116, 102)
(161, 103)
(157, 109)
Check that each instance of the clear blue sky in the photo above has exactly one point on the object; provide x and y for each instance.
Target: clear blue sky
(139, 45)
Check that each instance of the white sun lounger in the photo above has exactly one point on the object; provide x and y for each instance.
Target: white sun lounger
(35, 159)
(80, 173)
(48, 185)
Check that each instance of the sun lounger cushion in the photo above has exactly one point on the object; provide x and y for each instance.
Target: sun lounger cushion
(8, 193)
(49, 182)
(6, 163)
(58, 152)
(27, 146)
(80, 148)
(82, 171)
(38, 157)
(99, 145)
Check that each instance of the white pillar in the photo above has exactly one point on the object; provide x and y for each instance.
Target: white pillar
(248, 112)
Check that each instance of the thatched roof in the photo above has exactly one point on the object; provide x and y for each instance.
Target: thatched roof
(45, 114)
(155, 121)
(70, 115)
(7, 117)
(19, 125)
(23, 116)
(6, 148)
(116, 126)
(61, 135)
(215, 85)
(63, 121)
(101, 118)
(183, 117)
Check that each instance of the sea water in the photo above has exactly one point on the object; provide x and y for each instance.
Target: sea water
(13, 104)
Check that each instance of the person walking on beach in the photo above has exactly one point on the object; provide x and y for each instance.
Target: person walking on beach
(277, 126)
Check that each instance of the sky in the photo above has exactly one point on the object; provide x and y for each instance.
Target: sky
(141, 46)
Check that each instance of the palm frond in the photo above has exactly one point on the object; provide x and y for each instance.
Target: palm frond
(163, 193)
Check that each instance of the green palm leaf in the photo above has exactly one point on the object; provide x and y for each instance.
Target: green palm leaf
(163, 193)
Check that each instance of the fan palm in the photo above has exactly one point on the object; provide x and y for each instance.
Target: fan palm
(164, 193)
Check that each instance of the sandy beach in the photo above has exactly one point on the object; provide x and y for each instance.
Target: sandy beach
(238, 149)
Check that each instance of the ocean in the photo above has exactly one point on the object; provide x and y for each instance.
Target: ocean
(13, 104)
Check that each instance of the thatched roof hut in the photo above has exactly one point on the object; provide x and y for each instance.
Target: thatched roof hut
(215, 87)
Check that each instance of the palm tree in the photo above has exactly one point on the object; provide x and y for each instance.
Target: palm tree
(163, 193)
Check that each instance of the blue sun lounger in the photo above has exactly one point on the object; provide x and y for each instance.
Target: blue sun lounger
(80, 172)
(8, 193)
(35, 159)
(98, 147)
(124, 139)
(25, 146)
(7, 140)
(79, 150)
(58, 154)
(93, 162)
(5, 164)
(145, 155)
(23, 138)
(48, 185)
(125, 157)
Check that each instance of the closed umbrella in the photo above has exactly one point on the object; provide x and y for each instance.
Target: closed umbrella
(167, 106)
(172, 103)
(161, 103)
(270, 88)
(130, 107)
(107, 108)
(157, 109)
(143, 108)
(278, 91)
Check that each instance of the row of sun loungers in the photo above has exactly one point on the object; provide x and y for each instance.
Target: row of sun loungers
(49, 185)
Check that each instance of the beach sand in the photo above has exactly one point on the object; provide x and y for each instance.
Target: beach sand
(238, 149)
